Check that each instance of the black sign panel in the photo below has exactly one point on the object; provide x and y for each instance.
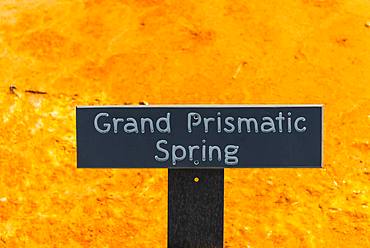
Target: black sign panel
(199, 136)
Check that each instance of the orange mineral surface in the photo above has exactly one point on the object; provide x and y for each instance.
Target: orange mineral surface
(55, 55)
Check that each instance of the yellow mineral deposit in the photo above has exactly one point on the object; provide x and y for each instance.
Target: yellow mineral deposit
(55, 55)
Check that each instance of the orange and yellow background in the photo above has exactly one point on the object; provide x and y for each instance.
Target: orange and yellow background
(55, 55)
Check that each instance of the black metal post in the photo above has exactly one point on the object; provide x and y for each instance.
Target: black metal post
(195, 208)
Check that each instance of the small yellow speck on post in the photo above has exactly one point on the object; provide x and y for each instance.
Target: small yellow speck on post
(196, 179)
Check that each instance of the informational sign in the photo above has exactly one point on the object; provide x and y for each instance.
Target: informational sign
(199, 136)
